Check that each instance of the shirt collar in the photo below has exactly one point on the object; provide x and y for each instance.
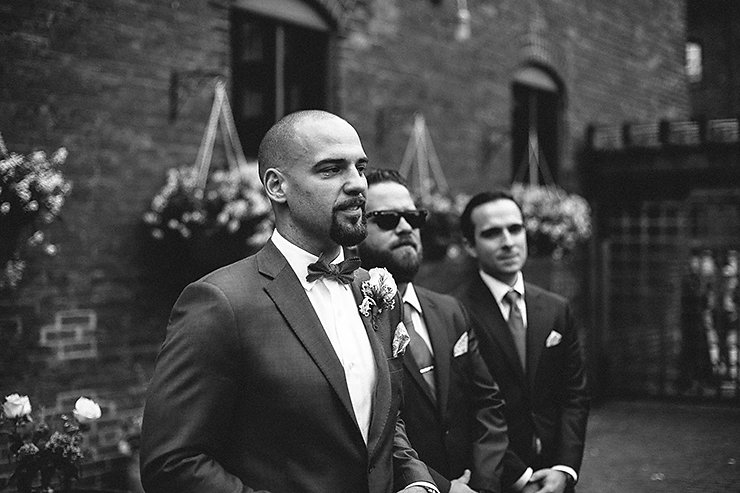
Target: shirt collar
(298, 258)
(499, 289)
(410, 297)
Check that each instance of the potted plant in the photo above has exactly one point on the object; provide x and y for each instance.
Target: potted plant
(32, 193)
(46, 460)
(556, 221)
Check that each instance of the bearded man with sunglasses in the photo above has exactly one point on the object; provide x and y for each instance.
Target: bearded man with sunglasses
(528, 339)
(452, 408)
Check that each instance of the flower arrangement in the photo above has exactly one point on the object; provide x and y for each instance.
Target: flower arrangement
(555, 220)
(379, 292)
(40, 453)
(231, 214)
(32, 192)
(232, 202)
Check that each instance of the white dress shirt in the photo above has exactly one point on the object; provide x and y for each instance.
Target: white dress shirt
(412, 299)
(337, 310)
(498, 290)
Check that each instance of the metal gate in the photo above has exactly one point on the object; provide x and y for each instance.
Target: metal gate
(670, 297)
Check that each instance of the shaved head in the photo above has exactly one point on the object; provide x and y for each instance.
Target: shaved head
(280, 143)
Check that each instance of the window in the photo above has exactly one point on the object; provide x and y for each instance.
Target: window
(280, 64)
(694, 61)
(535, 127)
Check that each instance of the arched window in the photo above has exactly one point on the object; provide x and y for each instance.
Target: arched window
(280, 63)
(536, 126)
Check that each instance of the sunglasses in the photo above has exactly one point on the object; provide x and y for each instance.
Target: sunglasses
(389, 220)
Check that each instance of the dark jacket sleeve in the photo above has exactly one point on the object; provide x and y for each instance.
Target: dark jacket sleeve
(489, 437)
(576, 401)
(195, 373)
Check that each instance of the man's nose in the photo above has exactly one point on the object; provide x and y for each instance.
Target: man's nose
(403, 225)
(506, 238)
(356, 182)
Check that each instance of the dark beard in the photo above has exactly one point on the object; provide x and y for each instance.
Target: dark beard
(348, 234)
(403, 269)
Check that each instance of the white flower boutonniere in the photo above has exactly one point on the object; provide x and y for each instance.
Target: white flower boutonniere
(379, 293)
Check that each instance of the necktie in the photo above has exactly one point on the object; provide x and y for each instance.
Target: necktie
(342, 272)
(419, 349)
(516, 325)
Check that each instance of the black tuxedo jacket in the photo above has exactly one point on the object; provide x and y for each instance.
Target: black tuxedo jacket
(462, 427)
(549, 401)
(249, 395)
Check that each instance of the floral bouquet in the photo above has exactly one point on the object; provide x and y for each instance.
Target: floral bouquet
(229, 218)
(40, 453)
(555, 220)
(32, 192)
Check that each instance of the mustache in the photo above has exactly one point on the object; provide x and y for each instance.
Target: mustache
(405, 241)
(354, 202)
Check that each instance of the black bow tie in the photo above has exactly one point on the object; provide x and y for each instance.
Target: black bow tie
(342, 272)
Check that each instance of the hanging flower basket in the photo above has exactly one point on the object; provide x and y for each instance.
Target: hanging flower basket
(556, 221)
(32, 192)
(204, 218)
(227, 220)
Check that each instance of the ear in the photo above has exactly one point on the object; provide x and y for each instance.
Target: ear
(275, 185)
(470, 248)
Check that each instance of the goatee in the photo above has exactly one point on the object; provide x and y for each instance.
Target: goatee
(348, 234)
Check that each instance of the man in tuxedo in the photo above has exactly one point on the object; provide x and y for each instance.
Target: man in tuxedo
(270, 379)
(527, 336)
(452, 408)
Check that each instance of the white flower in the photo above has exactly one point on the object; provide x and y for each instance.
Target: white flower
(16, 406)
(86, 410)
(380, 291)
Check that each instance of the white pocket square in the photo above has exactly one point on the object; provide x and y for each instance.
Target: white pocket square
(553, 339)
(461, 346)
(400, 340)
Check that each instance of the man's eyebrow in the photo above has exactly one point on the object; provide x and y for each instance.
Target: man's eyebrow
(338, 161)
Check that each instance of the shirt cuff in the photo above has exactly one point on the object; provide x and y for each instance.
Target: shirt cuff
(523, 480)
(423, 484)
(567, 470)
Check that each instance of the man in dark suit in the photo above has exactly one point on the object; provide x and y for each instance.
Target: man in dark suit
(270, 379)
(452, 408)
(528, 339)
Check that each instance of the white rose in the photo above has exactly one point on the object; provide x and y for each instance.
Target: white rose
(16, 406)
(86, 410)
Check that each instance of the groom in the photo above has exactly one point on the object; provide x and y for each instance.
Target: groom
(269, 378)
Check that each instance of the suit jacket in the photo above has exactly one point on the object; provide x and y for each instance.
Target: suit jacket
(249, 395)
(549, 401)
(462, 427)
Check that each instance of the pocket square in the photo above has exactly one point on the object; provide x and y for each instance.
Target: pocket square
(400, 340)
(461, 346)
(553, 339)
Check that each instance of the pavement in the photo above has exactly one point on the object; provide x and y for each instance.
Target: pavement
(662, 446)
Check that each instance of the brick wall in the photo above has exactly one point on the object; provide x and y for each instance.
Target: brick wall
(95, 77)
(716, 27)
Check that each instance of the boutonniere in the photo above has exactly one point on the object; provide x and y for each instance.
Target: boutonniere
(379, 294)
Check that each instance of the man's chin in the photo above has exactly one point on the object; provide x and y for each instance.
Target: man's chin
(348, 235)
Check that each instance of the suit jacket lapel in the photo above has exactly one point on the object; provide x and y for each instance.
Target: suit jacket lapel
(537, 330)
(440, 347)
(382, 397)
(487, 311)
(288, 294)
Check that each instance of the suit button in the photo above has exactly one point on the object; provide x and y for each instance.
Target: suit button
(370, 469)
